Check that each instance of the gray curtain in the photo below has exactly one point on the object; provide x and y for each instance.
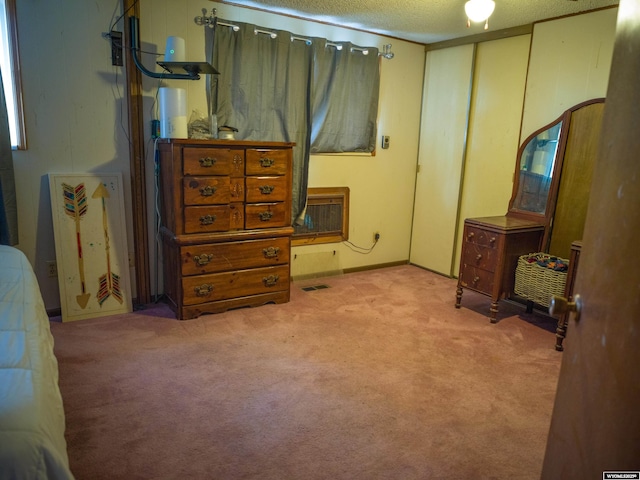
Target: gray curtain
(8, 207)
(345, 100)
(263, 90)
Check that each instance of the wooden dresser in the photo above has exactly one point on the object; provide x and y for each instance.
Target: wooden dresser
(490, 254)
(226, 223)
(553, 175)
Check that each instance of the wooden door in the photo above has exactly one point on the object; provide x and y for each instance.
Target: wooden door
(596, 418)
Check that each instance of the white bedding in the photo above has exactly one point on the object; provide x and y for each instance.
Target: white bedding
(32, 423)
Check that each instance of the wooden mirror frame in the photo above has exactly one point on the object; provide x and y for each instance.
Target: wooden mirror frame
(546, 219)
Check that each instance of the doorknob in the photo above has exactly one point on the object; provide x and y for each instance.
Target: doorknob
(560, 306)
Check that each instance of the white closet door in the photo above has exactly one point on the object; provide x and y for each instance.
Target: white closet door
(445, 108)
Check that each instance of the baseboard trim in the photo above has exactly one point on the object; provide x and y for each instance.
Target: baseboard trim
(376, 266)
(433, 271)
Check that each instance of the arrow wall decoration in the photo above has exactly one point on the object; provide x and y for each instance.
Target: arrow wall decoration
(110, 281)
(75, 206)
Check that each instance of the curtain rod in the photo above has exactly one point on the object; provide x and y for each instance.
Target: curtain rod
(235, 28)
(211, 21)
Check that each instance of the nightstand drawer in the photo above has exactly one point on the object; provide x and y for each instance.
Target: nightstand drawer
(477, 279)
(266, 215)
(206, 190)
(213, 161)
(239, 283)
(479, 236)
(480, 256)
(220, 257)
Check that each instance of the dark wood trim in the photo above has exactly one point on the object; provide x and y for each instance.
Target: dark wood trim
(136, 156)
(376, 266)
(574, 14)
(503, 33)
(481, 37)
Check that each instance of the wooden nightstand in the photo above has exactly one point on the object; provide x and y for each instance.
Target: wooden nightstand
(490, 254)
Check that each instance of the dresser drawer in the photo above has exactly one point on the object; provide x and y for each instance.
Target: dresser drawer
(220, 257)
(213, 161)
(266, 215)
(477, 279)
(206, 190)
(241, 283)
(480, 256)
(267, 162)
(479, 236)
(214, 218)
(266, 189)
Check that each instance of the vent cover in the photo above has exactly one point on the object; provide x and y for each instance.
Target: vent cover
(326, 218)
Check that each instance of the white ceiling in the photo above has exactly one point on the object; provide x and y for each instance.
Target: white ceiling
(422, 21)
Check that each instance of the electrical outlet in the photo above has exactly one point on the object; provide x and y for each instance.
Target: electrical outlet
(376, 236)
(52, 268)
(116, 48)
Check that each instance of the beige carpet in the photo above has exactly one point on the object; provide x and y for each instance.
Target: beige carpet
(376, 377)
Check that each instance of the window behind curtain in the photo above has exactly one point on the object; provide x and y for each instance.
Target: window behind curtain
(343, 88)
(283, 87)
(263, 91)
(345, 100)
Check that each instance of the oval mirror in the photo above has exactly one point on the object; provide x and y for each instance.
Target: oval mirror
(536, 165)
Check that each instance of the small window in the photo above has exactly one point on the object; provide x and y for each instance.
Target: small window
(9, 65)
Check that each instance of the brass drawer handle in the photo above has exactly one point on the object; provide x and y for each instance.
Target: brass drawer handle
(204, 290)
(470, 235)
(492, 240)
(266, 189)
(270, 281)
(267, 162)
(208, 162)
(207, 219)
(207, 191)
(203, 259)
(265, 216)
(271, 252)
(479, 257)
(476, 280)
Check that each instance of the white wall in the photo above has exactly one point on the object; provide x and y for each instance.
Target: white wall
(381, 186)
(76, 120)
(75, 117)
(517, 89)
(570, 63)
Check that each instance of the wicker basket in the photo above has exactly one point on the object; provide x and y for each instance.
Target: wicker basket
(537, 283)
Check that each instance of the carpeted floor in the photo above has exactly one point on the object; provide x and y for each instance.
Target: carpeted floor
(377, 376)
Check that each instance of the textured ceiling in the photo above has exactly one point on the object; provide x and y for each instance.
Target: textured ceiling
(422, 21)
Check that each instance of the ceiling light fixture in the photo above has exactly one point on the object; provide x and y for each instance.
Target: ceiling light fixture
(479, 11)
